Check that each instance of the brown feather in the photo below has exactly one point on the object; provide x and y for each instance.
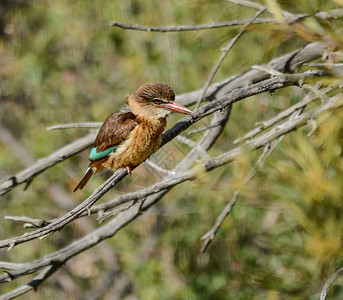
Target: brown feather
(149, 91)
(144, 140)
(115, 130)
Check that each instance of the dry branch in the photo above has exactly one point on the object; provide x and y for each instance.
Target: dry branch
(262, 126)
(268, 149)
(329, 282)
(222, 95)
(225, 51)
(76, 125)
(41, 165)
(285, 63)
(271, 84)
(114, 225)
(190, 27)
(322, 15)
(333, 14)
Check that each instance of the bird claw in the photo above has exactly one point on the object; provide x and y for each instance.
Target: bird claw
(128, 169)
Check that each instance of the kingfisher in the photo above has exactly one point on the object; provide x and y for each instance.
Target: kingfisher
(128, 138)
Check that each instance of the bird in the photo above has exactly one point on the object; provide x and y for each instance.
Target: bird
(128, 138)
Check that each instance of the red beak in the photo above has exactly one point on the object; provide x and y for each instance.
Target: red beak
(173, 106)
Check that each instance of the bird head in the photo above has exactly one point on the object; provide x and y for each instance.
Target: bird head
(155, 101)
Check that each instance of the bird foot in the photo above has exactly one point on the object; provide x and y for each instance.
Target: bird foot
(128, 169)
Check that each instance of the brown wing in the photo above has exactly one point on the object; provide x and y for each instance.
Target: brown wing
(116, 129)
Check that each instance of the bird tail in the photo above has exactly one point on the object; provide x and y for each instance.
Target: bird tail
(84, 180)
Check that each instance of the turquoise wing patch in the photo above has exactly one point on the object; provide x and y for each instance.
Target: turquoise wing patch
(97, 155)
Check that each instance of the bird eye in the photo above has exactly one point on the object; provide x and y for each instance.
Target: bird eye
(157, 101)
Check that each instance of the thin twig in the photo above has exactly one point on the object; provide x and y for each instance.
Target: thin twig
(75, 125)
(204, 128)
(322, 15)
(103, 216)
(188, 27)
(289, 16)
(286, 63)
(158, 168)
(41, 165)
(327, 65)
(30, 222)
(209, 236)
(194, 145)
(268, 149)
(329, 282)
(225, 51)
(262, 126)
(277, 131)
(33, 284)
(333, 14)
(70, 216)
(249, 4)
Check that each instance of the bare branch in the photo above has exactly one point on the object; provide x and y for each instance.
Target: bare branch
(30, 222)
(157, 168)
(261, 126)
(33, 284)
(222, 95)
(208, 109)
(249, 4)
(329, 282)
(225, 51)
(268, 149)
(223, 102)
(194, 145)
(109, 229)
(327, 65)
(70, 216)
(76, 125)
(333, 14)
(41, 165)
(277, 131)
(288, 62)
(323, 15)
(189, 27)
(271, 84)
(204, 128)
(209, 236)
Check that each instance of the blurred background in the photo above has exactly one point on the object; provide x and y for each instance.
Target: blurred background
(61, 62)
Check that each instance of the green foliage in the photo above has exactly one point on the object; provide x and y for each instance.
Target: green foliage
(60, 62)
